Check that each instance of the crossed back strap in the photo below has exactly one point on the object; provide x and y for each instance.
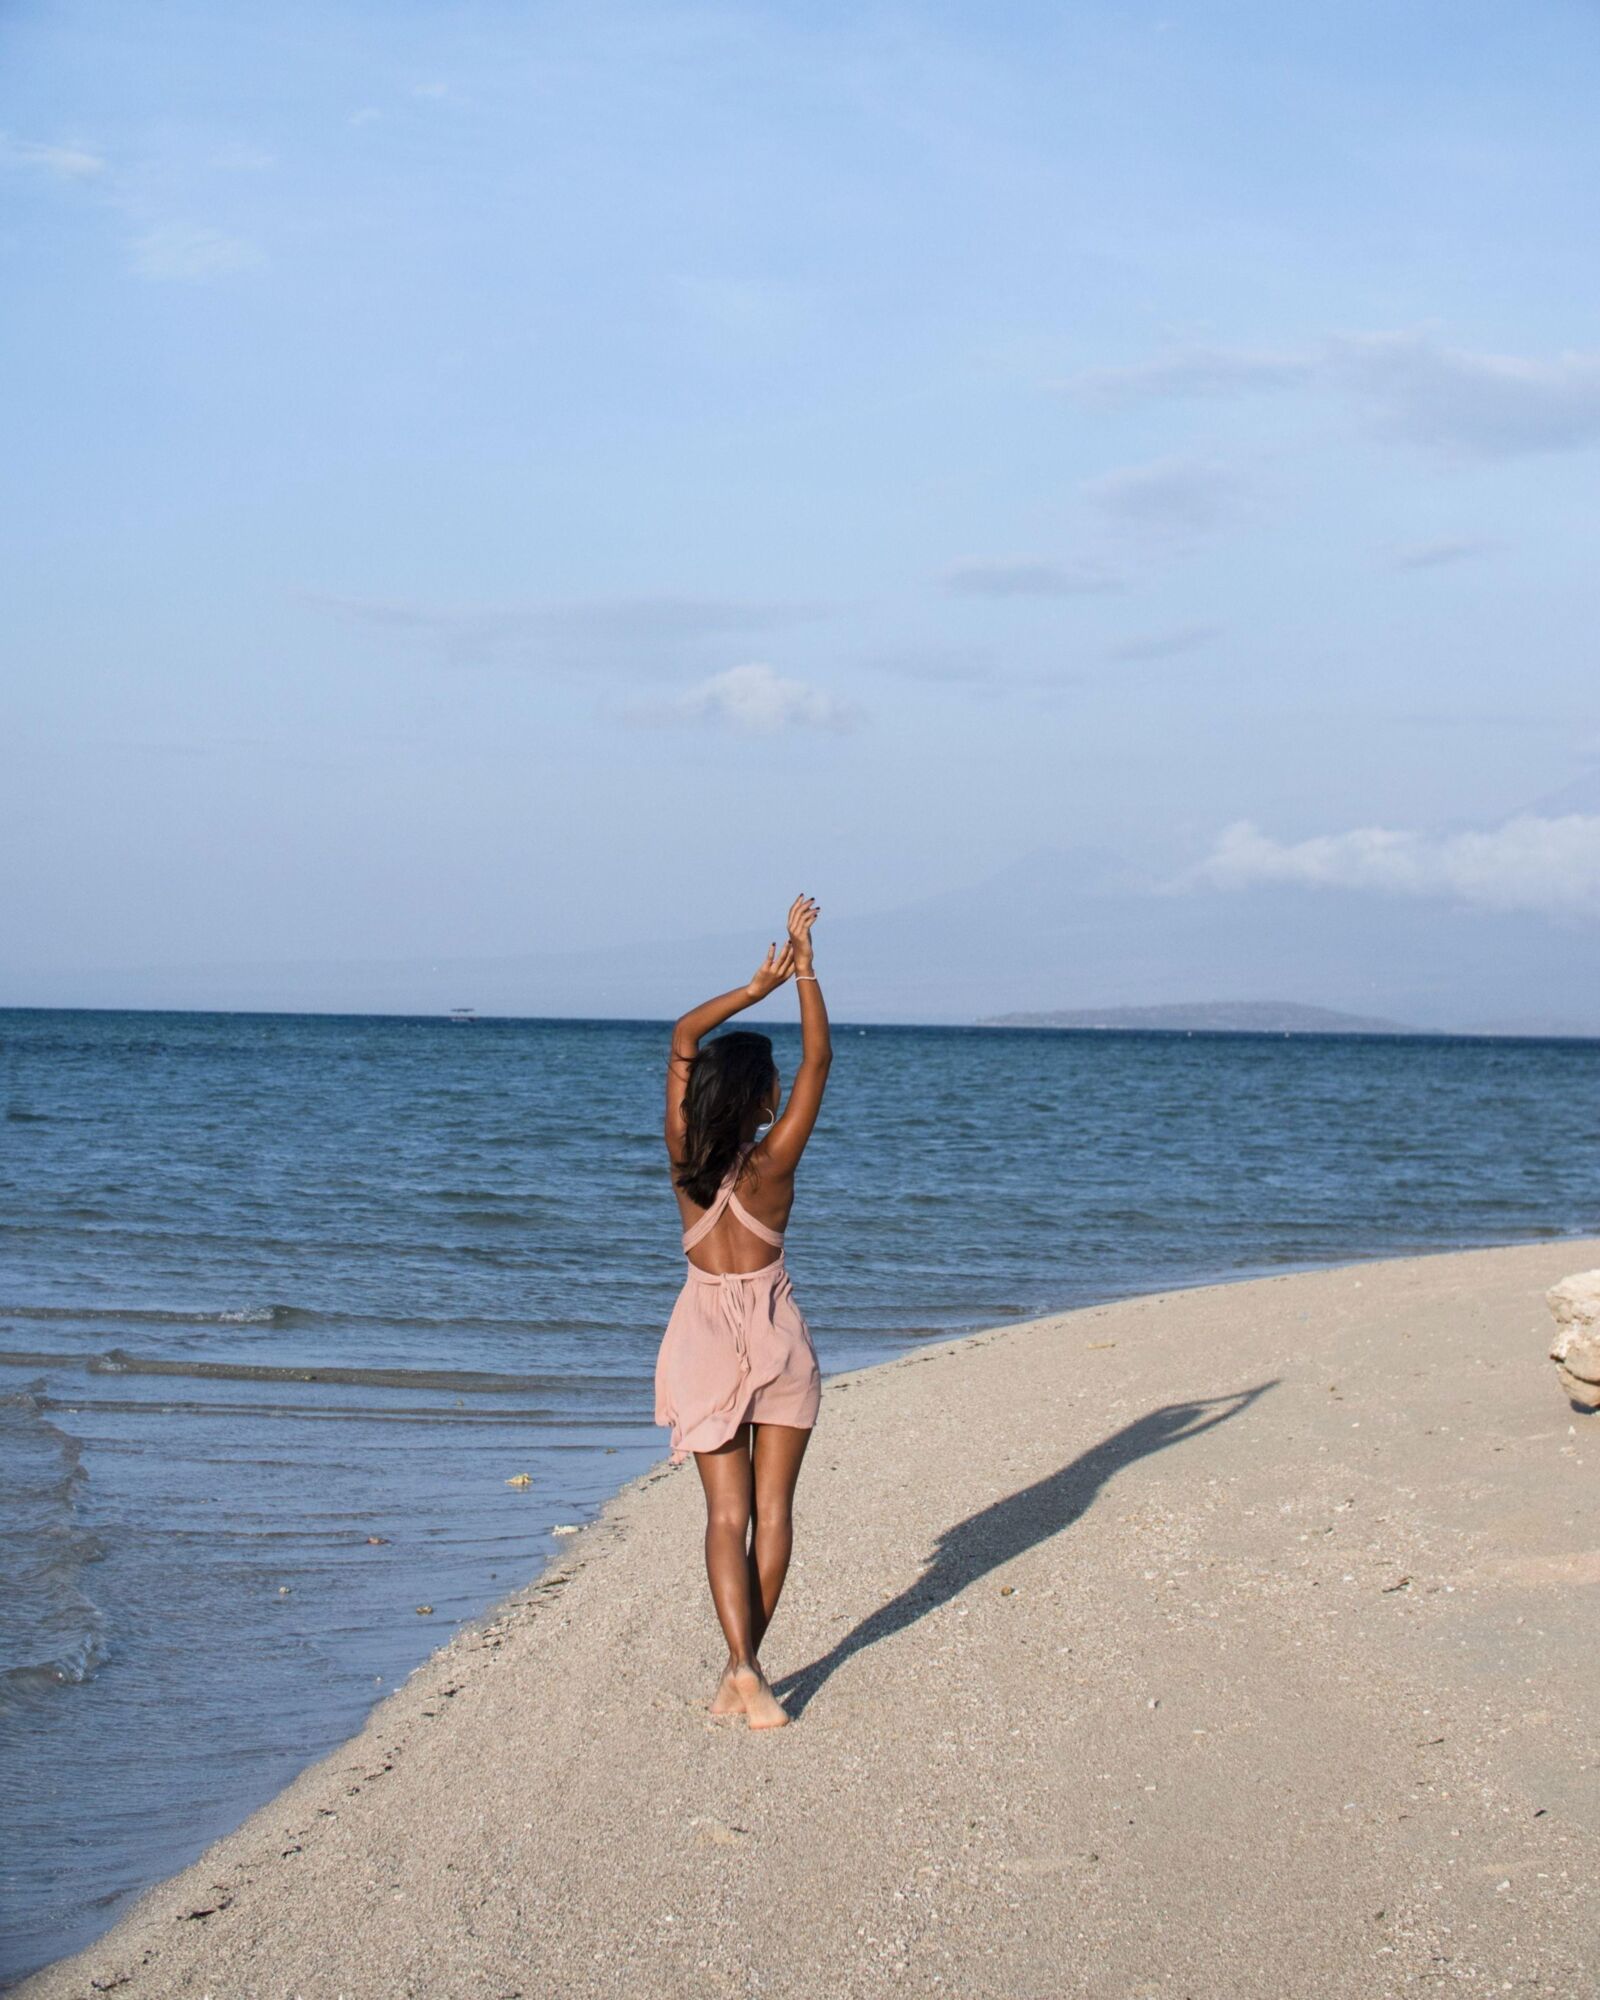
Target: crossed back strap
(726, 1198)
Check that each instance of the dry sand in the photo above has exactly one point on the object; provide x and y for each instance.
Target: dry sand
(1224, 1643)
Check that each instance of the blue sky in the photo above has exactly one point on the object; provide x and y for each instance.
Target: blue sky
(487, 479)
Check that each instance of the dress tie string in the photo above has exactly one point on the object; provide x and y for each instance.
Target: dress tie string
(737, 1303)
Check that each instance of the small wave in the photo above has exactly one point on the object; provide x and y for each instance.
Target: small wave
(166, 1315)
(475, 1417)
(54, 1632)
(461, 1381)
(495, 1218)
(41, 1460)
(15, 1115)
(74, 1665)
(302, 1317)
(491, 1196)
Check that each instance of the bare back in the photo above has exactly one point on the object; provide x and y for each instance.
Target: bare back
(765, 1193)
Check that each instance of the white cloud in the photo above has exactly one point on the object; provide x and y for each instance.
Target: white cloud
(755, 701)
(1409, 385)
(1163, 645)
(158, 250)
(627, 633)
(1528, 863)
(1173, 496)
(73, 163)
(1442, 552)
(1025, 576)
(1199, 371)
(942, 666)
(1490, 404)
(1135, 514)
(187, 251)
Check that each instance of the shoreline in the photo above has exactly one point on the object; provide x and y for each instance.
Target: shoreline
(262, 1908)
(957, 1025)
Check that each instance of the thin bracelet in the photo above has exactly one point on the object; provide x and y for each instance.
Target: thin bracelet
(807, 975)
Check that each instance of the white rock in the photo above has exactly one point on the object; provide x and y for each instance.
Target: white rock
(1578, 1353)
(1575, 1302)
(1585, 1394)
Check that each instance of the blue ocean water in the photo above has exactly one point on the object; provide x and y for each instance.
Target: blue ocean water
(286, 1300)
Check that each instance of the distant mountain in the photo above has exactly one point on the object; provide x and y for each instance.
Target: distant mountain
(1080, 926)
(1254, 1017)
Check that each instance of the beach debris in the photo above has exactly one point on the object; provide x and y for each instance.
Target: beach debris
(199, 1915)
(520, 1479)
(1575, 1302)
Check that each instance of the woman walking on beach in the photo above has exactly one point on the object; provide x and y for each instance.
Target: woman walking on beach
(737, 1377)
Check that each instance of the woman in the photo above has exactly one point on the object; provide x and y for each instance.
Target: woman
(737, 1376)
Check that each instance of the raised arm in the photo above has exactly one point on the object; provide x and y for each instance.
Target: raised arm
(689, 1029)
(786, 1141)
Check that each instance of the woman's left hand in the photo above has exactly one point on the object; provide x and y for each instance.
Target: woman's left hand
(773, 970)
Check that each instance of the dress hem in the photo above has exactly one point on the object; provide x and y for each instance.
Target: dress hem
(679, 1452)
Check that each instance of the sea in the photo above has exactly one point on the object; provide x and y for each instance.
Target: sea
(287, 1302)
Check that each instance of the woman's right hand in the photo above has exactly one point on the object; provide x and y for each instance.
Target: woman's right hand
(803, 913)
(770, 974)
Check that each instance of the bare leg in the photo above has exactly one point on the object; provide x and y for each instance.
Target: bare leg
(775, 1454)
(758, 1623)
(777, 1450)
(726, 1476)
(727, 1701)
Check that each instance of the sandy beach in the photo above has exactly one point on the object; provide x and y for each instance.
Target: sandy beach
(1216, 1644)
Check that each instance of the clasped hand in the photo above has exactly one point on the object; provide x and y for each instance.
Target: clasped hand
(795, 955)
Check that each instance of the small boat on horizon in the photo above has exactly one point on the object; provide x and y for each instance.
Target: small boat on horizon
(465, 1016)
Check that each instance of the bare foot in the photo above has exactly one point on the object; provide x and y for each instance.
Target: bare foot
(761, 1706)
(727, 1700)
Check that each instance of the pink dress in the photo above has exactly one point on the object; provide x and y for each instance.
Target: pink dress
(737, 1349)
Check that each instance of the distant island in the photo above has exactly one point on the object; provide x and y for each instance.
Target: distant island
(1250, 1017)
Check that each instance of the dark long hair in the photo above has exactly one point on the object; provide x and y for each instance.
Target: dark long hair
(728, 1079)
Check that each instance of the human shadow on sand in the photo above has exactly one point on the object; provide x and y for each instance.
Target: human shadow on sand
(1020, 1521)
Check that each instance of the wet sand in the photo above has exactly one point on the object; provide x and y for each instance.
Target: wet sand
(1215, 1644)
